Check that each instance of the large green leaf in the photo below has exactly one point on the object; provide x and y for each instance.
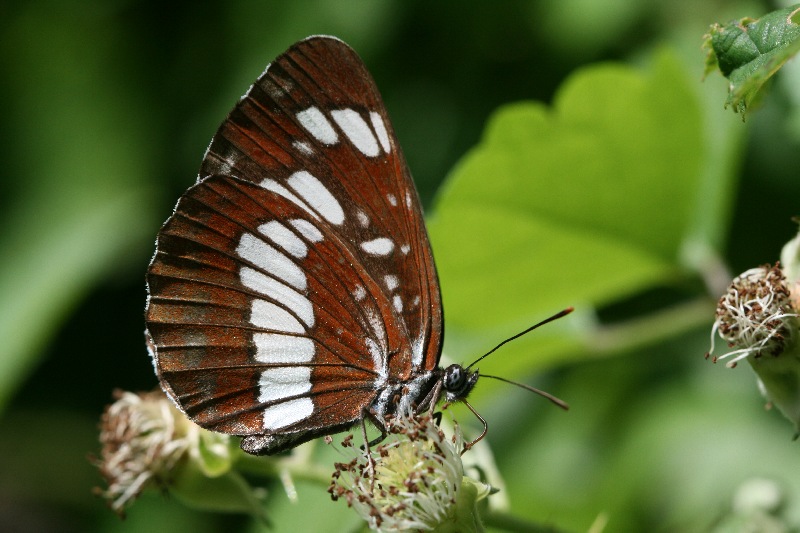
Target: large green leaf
(581, 204)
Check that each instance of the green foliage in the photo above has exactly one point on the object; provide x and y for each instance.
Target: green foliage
(583, 204)
(750, 51)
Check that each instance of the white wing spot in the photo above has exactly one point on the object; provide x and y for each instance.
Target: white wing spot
(417, 353)
(363, 219)
(317, 195)
(227, 163)
(302, 146)
(380, 129)
(415, 301)
(392, 282)
(359, 293)
(276, 92)
(317, 125)
(378, 359)
(281, 293)
(286, 413)
(284, 237)
(306, 229)
(277, 188)
(408, 199)
(268, 259)
(279, 348)
(267, 315)
(379, 246)
(225, 168)
(283, 382)
(357, 130)
(392, 199)
(376, 323)
(405, 249)
(397, 302)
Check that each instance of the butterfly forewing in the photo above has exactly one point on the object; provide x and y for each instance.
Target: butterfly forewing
(295, 278)
(317, 110)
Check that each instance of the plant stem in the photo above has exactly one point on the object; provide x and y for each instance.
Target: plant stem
(657, 326)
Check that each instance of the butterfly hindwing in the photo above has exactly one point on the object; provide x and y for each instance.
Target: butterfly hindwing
(231, 313)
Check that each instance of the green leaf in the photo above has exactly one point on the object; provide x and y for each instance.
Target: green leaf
(750, 51)
(580, 205)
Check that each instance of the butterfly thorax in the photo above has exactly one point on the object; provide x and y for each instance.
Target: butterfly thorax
(423, 391)
(414, 395)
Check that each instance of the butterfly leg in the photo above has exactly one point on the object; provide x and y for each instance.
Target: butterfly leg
(432, 398)
(483, 433)
(369, 414)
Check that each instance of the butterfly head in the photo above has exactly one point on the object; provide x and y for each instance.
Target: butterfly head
(457, 382)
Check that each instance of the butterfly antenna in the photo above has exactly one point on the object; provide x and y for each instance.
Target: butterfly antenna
(556, 316)
(559, 402)
(562, 404)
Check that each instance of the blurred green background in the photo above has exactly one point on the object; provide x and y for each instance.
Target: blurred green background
(107, 109)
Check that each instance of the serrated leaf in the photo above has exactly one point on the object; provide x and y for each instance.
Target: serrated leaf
(579, 205)
(750, 51)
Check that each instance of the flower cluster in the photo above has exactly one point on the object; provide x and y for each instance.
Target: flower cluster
(143, 438)
(756, 315)
(414, 480)
(759, 317)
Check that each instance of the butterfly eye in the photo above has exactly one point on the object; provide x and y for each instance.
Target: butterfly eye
(454, 378)
(458, 382)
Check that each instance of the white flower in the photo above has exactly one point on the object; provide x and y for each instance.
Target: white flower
(755, 316)
(148, 443)
(143, 437)
(758, 317)
(417, 482)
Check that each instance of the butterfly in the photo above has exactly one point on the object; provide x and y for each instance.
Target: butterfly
(293, 292)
